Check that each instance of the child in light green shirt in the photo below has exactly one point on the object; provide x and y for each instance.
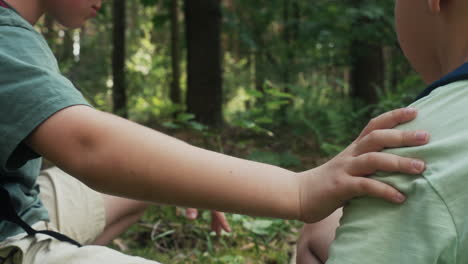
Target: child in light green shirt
(431, 227)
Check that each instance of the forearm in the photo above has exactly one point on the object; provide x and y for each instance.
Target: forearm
(151, 166)
(122, 158)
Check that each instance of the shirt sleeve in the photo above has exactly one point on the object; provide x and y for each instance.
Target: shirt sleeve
(31, 90)
(420, 231)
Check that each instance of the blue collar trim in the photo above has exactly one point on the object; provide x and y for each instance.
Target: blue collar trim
(457, 75)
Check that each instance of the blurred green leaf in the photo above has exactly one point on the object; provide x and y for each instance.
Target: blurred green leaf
(259, 227)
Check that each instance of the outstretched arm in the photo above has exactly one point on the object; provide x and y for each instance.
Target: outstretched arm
(119, 157)
(122, 158)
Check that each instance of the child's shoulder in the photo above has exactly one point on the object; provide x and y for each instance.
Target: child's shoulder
(10, 20)
(21, 44)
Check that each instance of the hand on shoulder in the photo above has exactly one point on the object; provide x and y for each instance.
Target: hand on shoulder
(328, 187)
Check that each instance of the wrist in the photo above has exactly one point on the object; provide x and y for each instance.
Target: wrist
(300, 192)
(303, 181)
(313, 195)
(286, 203)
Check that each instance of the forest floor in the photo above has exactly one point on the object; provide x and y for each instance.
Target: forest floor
(164, 234)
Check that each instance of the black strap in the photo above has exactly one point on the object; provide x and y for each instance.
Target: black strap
(8, 213)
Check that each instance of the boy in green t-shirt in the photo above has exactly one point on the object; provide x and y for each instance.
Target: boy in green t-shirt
(42, 114)
(431, 227)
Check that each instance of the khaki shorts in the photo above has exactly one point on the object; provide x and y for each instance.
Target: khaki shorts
(76, 211)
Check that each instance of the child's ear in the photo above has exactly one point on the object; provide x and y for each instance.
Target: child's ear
(434, 6)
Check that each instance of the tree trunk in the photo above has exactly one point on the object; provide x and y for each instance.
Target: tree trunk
(118, 59)
(367, 72)
(203, 33)
(175, 93)
(67, 47)
(367, 64)
(287, 38)
(49, 31)
(259, 71)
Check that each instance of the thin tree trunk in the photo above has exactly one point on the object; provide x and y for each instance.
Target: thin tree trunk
(367, 72)
(259, 71)
(175, 93)
(367, 65)
(287, 42)
(118, 59)
(203, 29)
(49, 31)
(67, 47)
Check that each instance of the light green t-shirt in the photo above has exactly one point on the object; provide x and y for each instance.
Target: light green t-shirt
(31, 90)
(431, 227)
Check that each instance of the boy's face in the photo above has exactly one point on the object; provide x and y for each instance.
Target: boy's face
(416, 35)
(72, 13)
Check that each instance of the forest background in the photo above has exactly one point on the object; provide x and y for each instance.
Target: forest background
(286, 82)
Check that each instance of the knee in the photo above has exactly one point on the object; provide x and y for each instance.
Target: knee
(310, 236)
(120, 208)
(305, 249)
(304, 255)
(314, 242)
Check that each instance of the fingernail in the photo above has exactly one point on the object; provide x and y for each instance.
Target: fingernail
(418, 165)
(421, 136)
(410, 110)
(400, 197)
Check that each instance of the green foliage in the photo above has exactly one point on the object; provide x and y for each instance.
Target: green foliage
(401, 96)
(335, 125)
(230, 259)
(265, 229)
(165, 236)
(264, 110)
(185, 120)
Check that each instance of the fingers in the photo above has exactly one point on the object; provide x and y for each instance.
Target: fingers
(216, 227)
(366, 186)
(390, 138)
(369, 163)
(219, 222)
(191, 213)
(389, 120)
(222, 221)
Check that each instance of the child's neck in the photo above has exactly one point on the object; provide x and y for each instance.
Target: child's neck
(447, 55)
(453, 57)
(31, 10)
(450, 40)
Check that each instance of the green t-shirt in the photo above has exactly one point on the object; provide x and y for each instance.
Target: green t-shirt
(31, 90)
(431, 227)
